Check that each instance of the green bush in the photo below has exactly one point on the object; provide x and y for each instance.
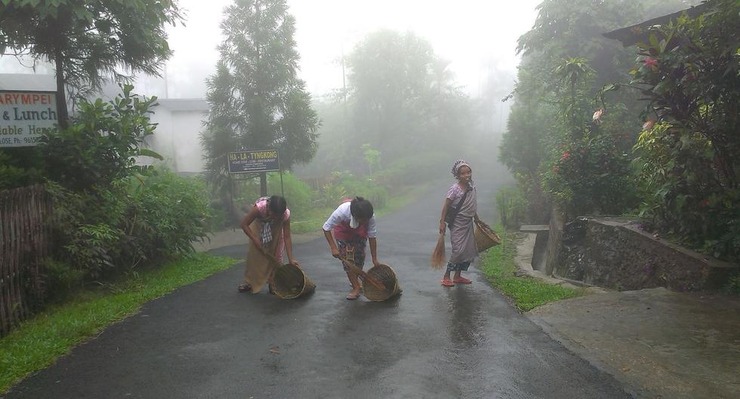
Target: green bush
(101, 144)
(136, 221)
(19, 167)
(164, 214)
(512, 207)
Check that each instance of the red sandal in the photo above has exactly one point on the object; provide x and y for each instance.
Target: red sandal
(447, 282)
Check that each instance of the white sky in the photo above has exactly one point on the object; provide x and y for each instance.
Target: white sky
(474, 34)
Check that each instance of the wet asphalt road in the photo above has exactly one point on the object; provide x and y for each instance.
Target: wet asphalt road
(208, 341)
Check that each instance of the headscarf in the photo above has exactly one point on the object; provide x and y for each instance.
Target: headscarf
(457, 165)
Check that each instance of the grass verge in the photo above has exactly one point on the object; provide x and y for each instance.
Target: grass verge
(312, 220)
(526, 292)
(38, 342)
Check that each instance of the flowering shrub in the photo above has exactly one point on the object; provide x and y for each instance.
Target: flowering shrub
(591, 176)
(689, 162)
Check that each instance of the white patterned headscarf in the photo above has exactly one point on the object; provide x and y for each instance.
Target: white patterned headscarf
(457, 165)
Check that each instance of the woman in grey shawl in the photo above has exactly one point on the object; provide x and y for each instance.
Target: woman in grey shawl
(460, 199)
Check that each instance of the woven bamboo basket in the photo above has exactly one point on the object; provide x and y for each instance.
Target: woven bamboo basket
(290, 282)
(387, 278)
(485, 238)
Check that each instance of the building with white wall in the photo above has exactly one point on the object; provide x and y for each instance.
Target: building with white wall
(179, 121)
(177, 136)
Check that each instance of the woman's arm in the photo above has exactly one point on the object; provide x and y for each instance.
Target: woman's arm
(289, 243)
(445, 208)
(246, 221)
(374, 250)
(332, 244)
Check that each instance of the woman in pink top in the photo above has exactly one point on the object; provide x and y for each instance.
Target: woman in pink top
(347, 231)
(462, 196)
(267, 225)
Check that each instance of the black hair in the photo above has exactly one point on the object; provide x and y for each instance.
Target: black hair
(277, 205)
(361, 208)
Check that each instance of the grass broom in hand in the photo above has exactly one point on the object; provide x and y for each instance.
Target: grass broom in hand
(438, 256)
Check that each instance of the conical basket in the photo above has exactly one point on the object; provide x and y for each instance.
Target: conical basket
(485, 238)
(290, 282)
(387, 278)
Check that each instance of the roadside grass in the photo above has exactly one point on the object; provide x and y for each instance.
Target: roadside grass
(38, 342)
(311, 221)
(526, 292)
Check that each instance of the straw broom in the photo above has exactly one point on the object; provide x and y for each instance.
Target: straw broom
(361, 274)
(438, 256)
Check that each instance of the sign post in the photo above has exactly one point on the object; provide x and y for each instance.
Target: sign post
(256, 161)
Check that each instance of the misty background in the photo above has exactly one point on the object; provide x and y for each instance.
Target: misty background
(478, 38)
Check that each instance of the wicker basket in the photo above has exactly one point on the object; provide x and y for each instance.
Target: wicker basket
(387, 277)
(290, 282)
(485, 238)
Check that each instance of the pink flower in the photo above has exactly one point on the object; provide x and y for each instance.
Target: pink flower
(648, 124)
(566, 155)
(651, 63)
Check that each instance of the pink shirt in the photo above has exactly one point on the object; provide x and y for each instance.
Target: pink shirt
(261, 205)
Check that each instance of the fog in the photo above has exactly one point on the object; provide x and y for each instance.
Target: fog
(475, 35)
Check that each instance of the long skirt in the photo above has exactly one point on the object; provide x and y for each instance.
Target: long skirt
(260, 268)
(462, 238)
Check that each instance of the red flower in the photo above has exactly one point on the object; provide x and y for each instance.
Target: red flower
(651, 63)
(704, 203)
(566, 155)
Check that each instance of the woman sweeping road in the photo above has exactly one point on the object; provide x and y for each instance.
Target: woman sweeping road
(458, 213)
(347, 231)
(267, 225)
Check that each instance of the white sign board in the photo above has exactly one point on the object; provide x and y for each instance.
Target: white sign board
(25, 115)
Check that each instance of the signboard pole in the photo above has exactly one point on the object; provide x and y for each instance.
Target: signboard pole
(282, 189)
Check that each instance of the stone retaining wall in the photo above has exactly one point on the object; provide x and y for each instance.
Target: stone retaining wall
(616, 254)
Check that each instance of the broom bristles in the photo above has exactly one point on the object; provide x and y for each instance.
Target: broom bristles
(438, 256)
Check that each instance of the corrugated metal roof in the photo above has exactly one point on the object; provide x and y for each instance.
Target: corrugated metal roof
(27, 81)
(183, 104)
(639, 32)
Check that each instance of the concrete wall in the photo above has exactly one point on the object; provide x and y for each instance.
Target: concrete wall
(616, 254)
(177, 138)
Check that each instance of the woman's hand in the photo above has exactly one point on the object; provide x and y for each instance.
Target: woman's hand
(442, 227)
(294, 263)
(335, 253)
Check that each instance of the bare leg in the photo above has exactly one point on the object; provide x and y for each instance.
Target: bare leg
(356, 286)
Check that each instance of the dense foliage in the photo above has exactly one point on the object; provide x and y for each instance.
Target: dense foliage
(112, 215)
(689, 161)
(571, 134)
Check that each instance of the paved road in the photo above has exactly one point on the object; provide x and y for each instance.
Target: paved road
(208, 341)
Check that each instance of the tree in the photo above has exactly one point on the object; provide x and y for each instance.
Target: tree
(403, 98)
(563, 30)
(256, 99)
(85, 40)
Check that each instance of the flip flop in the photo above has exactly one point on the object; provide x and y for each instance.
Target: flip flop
(352, 296)
(244, 287)
(461, 280)
(447, 282)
